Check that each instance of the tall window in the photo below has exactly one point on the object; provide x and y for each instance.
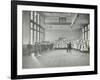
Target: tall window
(31, 27)
(83, 36)
(36, 30)
(86, 32)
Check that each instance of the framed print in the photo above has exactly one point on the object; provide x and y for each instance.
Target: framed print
(53, 39)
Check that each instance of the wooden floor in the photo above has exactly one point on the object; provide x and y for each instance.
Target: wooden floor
(56, 58)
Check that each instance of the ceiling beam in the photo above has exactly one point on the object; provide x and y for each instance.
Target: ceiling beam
(57, 23)
(74, 18)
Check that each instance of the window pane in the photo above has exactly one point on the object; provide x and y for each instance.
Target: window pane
(34, 36)
(38, 18)
(86, 36)
(37, 36)
(31, 15)
(31, 25)
(31, 37)
(34, 16)
(62, 19)
(35, 26)
(85, 28)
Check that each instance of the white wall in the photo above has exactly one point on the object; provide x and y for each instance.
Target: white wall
(25, 27)
(5, 41)
(52, 35)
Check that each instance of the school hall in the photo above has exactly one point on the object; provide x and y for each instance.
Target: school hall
(55, 39)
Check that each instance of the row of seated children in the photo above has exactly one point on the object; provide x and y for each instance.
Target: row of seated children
(61, 44)
(81, 45)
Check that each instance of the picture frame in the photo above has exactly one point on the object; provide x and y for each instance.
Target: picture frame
(17, 72)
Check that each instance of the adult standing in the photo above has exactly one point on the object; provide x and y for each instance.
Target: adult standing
(69, 47)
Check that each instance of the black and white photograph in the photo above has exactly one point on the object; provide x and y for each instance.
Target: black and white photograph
(53, 39)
